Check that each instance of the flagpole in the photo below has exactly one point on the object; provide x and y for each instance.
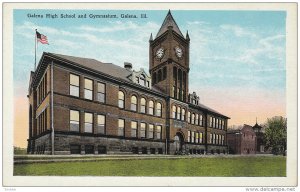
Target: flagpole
(35, 50)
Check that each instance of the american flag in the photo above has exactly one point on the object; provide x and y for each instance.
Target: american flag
(41, 38)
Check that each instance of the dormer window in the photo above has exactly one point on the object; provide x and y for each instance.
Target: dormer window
(141, 78)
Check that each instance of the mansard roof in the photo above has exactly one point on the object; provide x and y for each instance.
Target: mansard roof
(169, 21)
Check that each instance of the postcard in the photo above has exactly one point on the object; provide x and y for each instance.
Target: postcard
(150, 94)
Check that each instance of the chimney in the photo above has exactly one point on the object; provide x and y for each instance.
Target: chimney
(127, 65)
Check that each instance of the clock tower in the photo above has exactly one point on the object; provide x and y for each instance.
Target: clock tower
(169, 60)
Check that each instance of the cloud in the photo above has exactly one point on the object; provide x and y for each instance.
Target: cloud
(238, 31)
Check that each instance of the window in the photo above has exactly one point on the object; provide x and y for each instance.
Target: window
(150, 131)
(101, 92)
(183, 115)
(143, 105)
(211, 138)
(174, 111)
(75, 149)
(201, 120)
(197, 138)
(158, 109)
(217, 139)
(197, 119)
(164, 73)
(154, 78)
(189, 117)
(158, 131)
(200, 137)
(193, 137)
(178, 112)
(121, 99)
(151, 107)
(133, 103)
(74, 120)
(143, 130)
(74, 85)
(217, 123)
(173, 92)
(189, 136)
(121, 125)
(193, 118)
(88, 122)
(142, 80)
(101, 124)
(88, 89)
(159, 76)
(133, 129)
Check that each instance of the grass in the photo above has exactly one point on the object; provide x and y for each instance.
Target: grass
(252, 166)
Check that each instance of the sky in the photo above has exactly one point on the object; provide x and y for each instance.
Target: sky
(237, 58)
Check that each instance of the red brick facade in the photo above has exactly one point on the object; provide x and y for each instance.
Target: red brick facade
(191, 128)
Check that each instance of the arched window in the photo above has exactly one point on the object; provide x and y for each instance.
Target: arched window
(183, 115)
(178, 112)
(121, 99)
(164, 73)
(133, 103)
(143, 105)
(151, 107)
(158, 109)
(153, 78)
(174, 111)
(159, 76)
(189, 117)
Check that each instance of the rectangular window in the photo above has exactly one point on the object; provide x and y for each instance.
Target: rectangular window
(74, 85)
(201, 138)
(88, 89)
(121, 125)
(193, 137)
(197, 119)
(133, 129)
(158, 131)
(178, 113)
(88, 122)
(189, 136)
(197, 137)
(74, 120)
(101, 124)
(101, 92)
(143, 130)
(210, 121)
(150, 131)
(193, 118)
(173, 91)
(211, 138)
(189, 117)
(201, 120)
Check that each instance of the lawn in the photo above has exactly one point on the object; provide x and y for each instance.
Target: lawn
(252, 166)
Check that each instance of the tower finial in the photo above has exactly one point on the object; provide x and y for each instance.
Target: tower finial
(169, 12)
(151, 38)
(187, 37)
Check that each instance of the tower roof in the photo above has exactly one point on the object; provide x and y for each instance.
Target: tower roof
(169, 21)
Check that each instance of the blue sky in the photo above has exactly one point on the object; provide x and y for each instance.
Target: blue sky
(237, 58)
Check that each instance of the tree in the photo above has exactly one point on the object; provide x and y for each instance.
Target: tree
(275, 134)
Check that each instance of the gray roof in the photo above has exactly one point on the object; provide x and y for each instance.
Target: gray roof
(169, 21)
(106, 68)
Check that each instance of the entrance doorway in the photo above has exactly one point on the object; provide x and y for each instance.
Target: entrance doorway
(178, 141)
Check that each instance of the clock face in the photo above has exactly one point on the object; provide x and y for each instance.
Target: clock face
(160, 53)
(178, 52)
